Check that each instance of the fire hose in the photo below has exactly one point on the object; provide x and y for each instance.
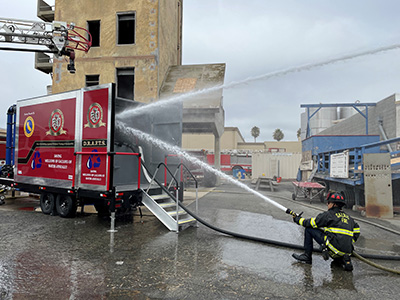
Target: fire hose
(362, 257)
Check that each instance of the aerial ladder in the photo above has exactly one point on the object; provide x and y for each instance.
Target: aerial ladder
(57, 37)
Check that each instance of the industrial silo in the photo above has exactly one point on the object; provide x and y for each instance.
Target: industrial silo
(303, 127)
(346, 112)
(323, 119)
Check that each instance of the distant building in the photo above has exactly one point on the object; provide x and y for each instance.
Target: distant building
(232, 139)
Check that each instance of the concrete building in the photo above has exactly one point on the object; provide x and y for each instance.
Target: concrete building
(138, 46)
(134, 44)
(203, 113)
(232, 139)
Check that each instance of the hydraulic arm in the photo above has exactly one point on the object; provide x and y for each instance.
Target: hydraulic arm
(57, 37)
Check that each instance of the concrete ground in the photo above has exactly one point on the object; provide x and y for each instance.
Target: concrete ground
(46, 257)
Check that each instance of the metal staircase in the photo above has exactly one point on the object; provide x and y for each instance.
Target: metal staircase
(166, 207)
(167, 210)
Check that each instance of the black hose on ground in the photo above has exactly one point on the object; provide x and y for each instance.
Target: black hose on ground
(362, 257)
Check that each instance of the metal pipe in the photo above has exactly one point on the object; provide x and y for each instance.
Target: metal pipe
(382, 130)
(10, 139)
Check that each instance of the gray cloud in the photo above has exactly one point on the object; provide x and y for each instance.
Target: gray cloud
(257, 37)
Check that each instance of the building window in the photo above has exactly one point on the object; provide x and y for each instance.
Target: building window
(92, 80)
(126, 28)
(125, 83)
(94, 29)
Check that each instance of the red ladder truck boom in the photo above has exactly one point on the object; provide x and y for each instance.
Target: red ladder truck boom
(56, 37)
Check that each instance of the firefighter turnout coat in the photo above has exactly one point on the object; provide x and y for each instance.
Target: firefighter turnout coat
(340, 230)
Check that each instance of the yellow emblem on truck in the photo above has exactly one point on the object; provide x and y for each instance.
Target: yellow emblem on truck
(29, 126)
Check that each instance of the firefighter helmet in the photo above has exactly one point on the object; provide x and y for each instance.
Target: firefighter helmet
(336, 198)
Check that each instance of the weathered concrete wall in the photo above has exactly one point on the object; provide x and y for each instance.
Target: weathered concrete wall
(103, 60)
(170, 36)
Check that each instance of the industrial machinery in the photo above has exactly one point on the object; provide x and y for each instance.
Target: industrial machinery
(357, 166)
(58, 37)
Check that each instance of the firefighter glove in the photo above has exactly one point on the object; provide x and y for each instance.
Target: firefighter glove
(296, 219)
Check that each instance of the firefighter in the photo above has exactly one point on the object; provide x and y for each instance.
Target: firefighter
(334, 230)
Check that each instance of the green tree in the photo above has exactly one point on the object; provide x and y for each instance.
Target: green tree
(298, 133)
(255, 132)
(278, 135)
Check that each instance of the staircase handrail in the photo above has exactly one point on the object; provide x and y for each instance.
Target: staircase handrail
(170, 173)
(187, 169)
(168, 192)
(155, 174)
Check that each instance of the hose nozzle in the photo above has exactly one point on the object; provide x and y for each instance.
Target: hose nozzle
(292, 213)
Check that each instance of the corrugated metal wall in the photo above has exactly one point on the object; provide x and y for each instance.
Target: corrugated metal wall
(284, 165)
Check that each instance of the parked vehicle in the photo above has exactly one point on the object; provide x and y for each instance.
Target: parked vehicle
(68, 149)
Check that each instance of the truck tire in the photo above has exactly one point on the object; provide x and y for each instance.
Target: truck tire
(47, 203)
(66, 206)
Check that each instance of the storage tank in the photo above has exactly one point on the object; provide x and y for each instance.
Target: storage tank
(303, 126)
(323, 119)
(346, 112)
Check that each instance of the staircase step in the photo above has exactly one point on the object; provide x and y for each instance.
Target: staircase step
(160, 197)
(186, 220)
(172, 213)
(167, 204)
(164, 208)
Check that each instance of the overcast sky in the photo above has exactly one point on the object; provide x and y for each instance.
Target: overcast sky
(256, 37)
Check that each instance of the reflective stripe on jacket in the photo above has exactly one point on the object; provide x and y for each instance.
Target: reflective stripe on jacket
(340, 230)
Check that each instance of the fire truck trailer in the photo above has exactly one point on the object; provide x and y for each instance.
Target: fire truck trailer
(67, 148)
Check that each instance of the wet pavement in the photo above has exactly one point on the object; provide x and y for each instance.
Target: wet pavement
(46, 257)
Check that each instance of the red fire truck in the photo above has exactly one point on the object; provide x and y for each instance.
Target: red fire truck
(233, 161)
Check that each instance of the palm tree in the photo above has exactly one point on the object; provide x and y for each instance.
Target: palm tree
(255, 132)
(278, 135)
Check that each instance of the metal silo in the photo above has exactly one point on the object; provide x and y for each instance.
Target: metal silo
(345, 112)
(303, 121)
(323, 119)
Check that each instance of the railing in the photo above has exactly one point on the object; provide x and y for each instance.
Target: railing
(165, 183)
(181, 166)
(166, 163)
(167, 187)
(108, 168)
(355, 158)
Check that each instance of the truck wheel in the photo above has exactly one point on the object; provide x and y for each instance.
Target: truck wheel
(66, 206)
(47, 203)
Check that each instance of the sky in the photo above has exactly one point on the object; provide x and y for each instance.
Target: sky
(260, 37)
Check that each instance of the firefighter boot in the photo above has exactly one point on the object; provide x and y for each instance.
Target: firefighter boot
(305, 257)
(348, 266)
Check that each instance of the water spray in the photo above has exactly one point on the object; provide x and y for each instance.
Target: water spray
(174, 149)
(306, 67)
